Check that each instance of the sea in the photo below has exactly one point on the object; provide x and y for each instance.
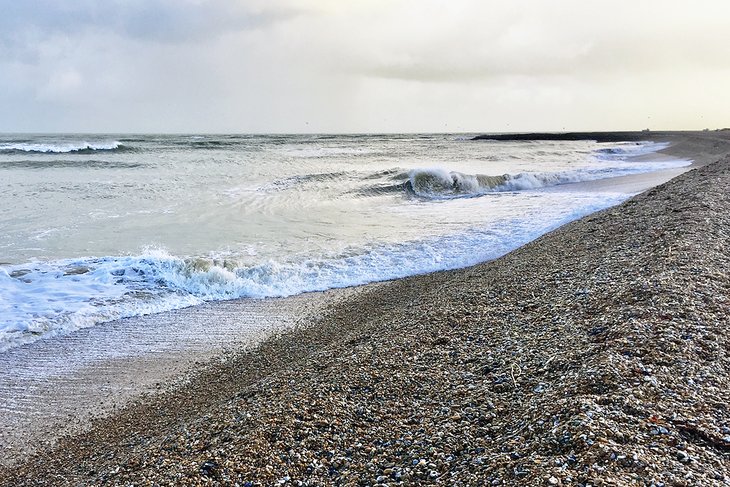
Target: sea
(96, 228)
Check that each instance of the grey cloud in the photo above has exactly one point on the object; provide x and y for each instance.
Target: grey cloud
(367, 65)
(155, 20)
(167, 20)
(543, 39)
(485, 68)
(426, 73)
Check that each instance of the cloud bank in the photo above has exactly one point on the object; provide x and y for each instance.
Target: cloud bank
(361, 66)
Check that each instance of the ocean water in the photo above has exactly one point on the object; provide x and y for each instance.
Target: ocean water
(99, 227)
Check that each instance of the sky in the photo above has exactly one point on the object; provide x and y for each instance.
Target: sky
(342, 66)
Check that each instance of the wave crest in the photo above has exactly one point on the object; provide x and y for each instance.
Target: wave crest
(60, 148)
(437, 183)
(442, 183)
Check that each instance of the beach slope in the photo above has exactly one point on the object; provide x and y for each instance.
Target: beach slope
(597, 354)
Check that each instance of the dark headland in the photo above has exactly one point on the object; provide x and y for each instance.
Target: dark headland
(627, 136)
(597, 136)
(598, 354)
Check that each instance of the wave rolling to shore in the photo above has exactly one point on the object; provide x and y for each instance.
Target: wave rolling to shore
(157, 223)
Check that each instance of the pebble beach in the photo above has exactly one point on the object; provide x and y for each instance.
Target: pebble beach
(594, 355)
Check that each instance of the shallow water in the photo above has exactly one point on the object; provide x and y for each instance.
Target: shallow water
(54, 387)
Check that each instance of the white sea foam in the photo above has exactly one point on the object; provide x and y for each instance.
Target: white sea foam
(59, 147)
(276, 216)
(46, 298)
(440, 183)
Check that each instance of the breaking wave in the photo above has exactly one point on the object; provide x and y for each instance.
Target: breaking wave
(60, 147)
(441, 183)
(437, 183)
(46, 163)
(41, 299)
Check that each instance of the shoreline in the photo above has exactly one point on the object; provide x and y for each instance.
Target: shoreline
(104, 367)
(410, 327)
(702, 147)
(70, 380)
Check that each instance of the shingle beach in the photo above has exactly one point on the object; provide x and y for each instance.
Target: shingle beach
(598, 354)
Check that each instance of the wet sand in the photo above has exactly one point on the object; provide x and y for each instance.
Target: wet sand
(595, 354)
(54, 387)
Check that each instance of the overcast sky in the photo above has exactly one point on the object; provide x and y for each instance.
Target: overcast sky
(362, 65)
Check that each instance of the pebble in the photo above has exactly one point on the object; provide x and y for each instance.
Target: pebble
(497, 374)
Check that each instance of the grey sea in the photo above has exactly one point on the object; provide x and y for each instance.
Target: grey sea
(94, 228)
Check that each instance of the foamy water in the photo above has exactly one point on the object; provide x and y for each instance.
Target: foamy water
(96, 228)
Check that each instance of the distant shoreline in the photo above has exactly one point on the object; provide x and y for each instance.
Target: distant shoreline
(700, 146)
(620, 136)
